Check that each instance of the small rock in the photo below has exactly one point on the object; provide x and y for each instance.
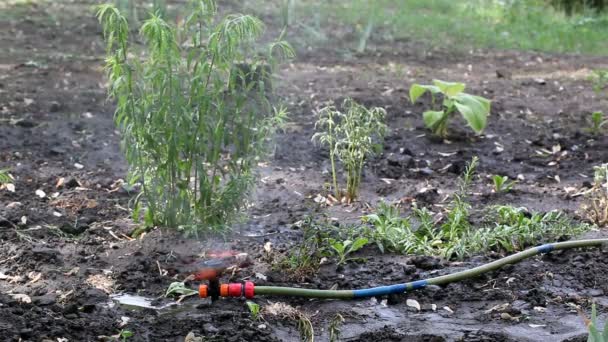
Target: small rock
(426, 171)
(57, 150)
(595, 292)
(45, 300)
(210, 328)
(55, 107)
(25, 123)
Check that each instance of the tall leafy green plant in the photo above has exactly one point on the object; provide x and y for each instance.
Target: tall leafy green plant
(193, 123)
(474, 109)
(352, 135)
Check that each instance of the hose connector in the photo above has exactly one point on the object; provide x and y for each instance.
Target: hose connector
(246, 290)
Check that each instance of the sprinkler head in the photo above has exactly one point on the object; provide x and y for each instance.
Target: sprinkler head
(211, 270)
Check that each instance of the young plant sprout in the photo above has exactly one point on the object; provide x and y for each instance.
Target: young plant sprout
(597, 123)
(600, 80)
(352, 136)
(474, 109)
(125, 335)
(502, 183)
(596, 333)
(192, 133)
(344, 248)
(4, 177)
(254, 309)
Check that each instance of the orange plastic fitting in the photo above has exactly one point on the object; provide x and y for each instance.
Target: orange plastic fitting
(224, 290)
(203, 291)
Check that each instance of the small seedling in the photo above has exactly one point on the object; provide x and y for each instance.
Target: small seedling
(352, 136)
(334, 328)
(4, 177)
(474, 109)
(179, 288)
(595, 334)
(502, 183)
(345, 248)
(597, 122)
(254, 309)
(600, 80)
(595, 208)
(125, 334)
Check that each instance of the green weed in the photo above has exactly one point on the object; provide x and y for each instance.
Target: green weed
(344, 248)
(305, 258)
(193, 129)
(5, 177)
(474, 109)
(125, 335)
(505, 228)
(595, 334)
(254, 309)
(352, 136)
(599, 78)
(502, 183)
(597, 123)
(334, 328)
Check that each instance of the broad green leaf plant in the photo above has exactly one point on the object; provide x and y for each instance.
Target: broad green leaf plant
(351, 135)
(474, 109)
(193, 128)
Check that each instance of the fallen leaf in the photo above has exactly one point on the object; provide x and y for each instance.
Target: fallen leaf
(413, 304)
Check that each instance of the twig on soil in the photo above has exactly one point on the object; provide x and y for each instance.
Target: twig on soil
(114, 235)
(9, 259)
(160, 270)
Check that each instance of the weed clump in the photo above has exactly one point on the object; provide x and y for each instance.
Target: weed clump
(191, 132)
(505, 228)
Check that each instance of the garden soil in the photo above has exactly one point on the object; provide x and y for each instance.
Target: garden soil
(64, 255)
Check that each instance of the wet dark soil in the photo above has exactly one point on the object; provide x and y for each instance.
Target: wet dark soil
(69, 251)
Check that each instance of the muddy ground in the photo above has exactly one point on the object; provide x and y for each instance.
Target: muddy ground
(69, 251)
